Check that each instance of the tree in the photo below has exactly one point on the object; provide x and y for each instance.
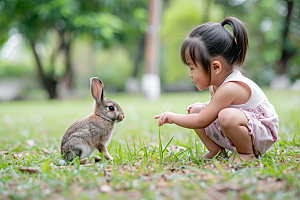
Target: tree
(273, 27)
(288, 49)
(108, 21)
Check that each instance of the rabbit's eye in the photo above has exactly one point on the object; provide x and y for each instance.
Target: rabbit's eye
(111, 108)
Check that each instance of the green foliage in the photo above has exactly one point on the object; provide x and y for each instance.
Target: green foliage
(107, 21)
(265, 21)
(122, 24)
(266, 44)
(57, 24)
(9, 70)
(113, 67)
(178, 20)
(97, 18)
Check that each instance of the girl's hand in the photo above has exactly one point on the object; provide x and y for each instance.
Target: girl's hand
(191, 106)
(165, 118)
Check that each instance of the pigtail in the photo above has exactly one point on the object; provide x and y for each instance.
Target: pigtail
(240, 46)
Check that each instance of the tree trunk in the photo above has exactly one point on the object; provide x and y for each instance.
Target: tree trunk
(139, 56)
(287, 51)
(69, 71)
(151, 79)
(50, 85)
(48, 82)
(281, 80)
(65, 83)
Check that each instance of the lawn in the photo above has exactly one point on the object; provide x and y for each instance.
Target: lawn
(149, 162)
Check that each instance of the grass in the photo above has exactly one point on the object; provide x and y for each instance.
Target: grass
(149, 162)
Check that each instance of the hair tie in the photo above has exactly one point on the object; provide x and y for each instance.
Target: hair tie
(222, 23)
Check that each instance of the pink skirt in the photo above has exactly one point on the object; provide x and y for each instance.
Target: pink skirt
(263, 131)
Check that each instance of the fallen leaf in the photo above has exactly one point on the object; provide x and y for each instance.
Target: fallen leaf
(45, 151)
(82, 162)
(20, 155)
(30, 142)
(31, 170)
(105, 188)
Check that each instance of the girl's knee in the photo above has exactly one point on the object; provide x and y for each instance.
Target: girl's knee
(196, 109)
(229, 117)
(226, 118)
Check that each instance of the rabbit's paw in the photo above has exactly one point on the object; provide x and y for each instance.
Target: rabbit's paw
(109, 158)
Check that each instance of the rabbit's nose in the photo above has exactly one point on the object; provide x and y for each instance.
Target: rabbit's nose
(121, 117)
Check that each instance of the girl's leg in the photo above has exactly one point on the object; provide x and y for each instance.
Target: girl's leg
(212, 147)
(233, 124)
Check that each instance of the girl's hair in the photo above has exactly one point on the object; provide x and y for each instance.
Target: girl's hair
(213, 39)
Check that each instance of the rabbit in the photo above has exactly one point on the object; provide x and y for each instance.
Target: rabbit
(95, 130)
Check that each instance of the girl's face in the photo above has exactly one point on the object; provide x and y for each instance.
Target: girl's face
(197, 73)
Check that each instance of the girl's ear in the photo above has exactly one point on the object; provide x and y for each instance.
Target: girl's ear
(216, 66)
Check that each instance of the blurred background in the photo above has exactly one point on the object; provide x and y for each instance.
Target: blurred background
(50, 49)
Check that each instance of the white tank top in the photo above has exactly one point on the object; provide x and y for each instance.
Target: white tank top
(257, 98)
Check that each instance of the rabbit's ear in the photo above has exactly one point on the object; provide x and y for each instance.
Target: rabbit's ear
(97, 89)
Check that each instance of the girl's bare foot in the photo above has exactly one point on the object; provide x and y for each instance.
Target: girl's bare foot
(208, 155)
(244, 157)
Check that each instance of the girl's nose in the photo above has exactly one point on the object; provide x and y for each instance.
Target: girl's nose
(190, 74)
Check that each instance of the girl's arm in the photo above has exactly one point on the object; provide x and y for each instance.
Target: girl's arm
(225, 95)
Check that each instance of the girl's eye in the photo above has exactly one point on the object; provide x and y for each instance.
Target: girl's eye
(111, 108)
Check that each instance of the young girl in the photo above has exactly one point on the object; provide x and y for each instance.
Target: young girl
(239, 116)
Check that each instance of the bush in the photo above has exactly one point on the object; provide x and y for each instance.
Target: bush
(9, 70)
